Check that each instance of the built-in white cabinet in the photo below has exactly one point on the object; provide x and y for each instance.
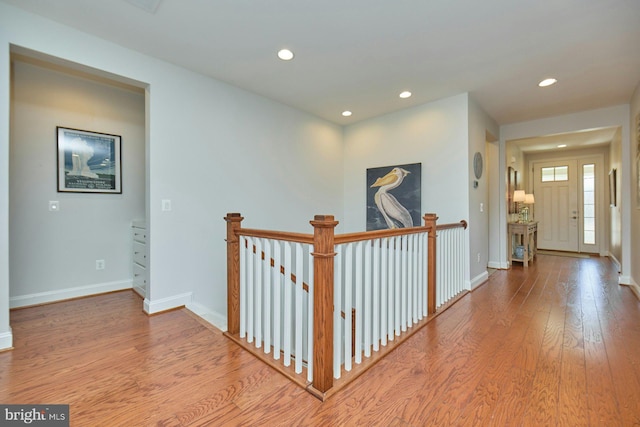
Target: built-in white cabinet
(139, 262)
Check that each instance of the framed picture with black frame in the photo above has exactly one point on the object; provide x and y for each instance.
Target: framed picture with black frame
(88, 162)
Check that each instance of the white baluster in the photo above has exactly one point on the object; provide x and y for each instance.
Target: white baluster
(258, 293)
(367, 298)
(358, 337)
(250, 290)
(404, 280)
(348, 304)
(277, 299)
(384, 283)
(298, 325)
(337, 312)
(410, 279)
(391, 287)
(266, 311)
(376, 296)
(310, 316)
(397, 266)
(243, 287)
(287, 303)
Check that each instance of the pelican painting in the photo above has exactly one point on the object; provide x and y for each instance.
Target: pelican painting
(393, 211)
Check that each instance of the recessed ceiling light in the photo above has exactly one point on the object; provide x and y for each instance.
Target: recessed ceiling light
(285, 54)
(346, 113)
(562, 145)
(547, 82)
(405, 94)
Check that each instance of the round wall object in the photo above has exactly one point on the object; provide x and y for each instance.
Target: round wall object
(477, 165)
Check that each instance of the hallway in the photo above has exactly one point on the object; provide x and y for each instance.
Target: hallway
(556, 344)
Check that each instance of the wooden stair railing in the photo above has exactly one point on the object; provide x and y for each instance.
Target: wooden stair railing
(305, 287)
(324, 241)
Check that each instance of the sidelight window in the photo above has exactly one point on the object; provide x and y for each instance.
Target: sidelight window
(589, 204)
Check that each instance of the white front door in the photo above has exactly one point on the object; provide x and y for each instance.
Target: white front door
(556, 204)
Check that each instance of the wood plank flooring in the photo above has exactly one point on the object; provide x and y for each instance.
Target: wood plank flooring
(557, 344)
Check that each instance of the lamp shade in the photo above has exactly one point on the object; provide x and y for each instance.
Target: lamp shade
(518, 196)
(529, 199)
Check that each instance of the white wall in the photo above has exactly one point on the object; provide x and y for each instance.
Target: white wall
(6, 337)
(634, 151)
(211, 149)
(434, 134)
(615, 212)
(479, 124)
(54, 253)
(603, 117)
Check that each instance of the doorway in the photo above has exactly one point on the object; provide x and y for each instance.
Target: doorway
(569, 203)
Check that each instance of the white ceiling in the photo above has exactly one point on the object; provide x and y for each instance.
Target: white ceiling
(360, 54)
(572, 140)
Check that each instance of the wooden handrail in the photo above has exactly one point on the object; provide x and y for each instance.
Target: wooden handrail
(276, 235)
(461, 224)
(377, 234)
(345, 237)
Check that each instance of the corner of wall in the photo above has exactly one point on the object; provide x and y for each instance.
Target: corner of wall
(6, 340)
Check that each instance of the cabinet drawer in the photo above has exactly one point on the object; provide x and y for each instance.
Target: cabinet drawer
(139, 235)
(140, 254)
(139, 276)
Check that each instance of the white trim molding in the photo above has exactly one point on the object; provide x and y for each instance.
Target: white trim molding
(498, 265)
(479, 279)
(628, 281)
(615, 261)
(216, 319)
(168, 303)
(6, 340)
(68, 293)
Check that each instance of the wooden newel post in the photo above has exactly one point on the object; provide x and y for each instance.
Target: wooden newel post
(430, 221)
(323, 255)
(234, 223)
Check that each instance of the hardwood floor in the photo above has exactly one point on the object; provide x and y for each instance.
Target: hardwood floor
(558, 344)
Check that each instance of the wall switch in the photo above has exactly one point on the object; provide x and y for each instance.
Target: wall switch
(54, 205)
(478, 256)
(481, 207)
(99, 264)
(166, 205)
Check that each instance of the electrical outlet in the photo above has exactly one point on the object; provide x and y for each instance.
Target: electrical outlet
(166, 205)
(99, 264)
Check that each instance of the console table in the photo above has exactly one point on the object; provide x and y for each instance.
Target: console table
(525, 235)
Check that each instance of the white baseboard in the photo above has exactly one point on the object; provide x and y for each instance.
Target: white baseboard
(498, 265)
(140, 291)
(615, 261)
(216, 319)
(479, 279)
(168, 303)
(6, 340)
(68, 293)
(628, 281)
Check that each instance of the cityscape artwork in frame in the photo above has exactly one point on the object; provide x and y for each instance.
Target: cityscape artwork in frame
(394, 197)
(88, 162)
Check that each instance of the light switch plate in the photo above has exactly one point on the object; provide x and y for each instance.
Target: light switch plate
(54, 205)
